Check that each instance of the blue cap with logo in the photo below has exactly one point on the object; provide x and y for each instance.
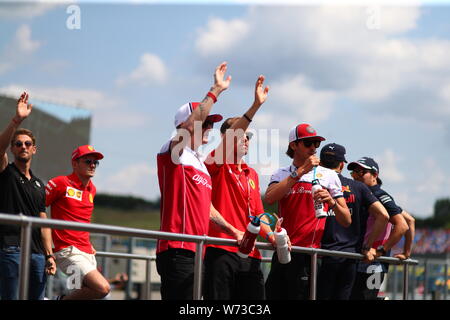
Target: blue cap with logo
(333, 152)
(366, 163)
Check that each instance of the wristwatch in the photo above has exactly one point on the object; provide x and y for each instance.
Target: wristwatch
(365, 247)
(50, 256)
(294, 175)
(381, 249)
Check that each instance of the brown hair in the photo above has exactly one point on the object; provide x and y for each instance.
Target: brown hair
(227, 124)
(23, 131)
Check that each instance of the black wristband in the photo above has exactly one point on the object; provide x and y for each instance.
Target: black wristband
(246, 117)
(50, 256)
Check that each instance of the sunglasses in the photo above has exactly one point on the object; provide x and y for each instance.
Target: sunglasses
(308, 143)
(360, 172)
(27, 143)
(89, 162)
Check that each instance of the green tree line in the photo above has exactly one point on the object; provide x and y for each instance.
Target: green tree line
(439, 219)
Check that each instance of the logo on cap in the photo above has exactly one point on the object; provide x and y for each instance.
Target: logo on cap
(310, 129)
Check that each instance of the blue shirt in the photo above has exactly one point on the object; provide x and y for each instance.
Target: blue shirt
(358, 198)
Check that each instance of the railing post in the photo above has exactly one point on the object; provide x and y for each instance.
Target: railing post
(414, 283)
(198, 266)
(425, 280)
(313, 277)
(148, 278)
(445, 280)
(129, 287)
(25, 253)
(405, 281)
(395, 281)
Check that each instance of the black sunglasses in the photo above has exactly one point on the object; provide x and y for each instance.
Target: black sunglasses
(309, 143)
(27, 143)
(360, 172)
(89, 162)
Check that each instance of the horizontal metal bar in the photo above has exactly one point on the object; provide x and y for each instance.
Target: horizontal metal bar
(124, 255)
(134, 232)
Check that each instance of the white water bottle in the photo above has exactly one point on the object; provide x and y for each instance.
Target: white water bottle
(284, 255)
(318, 206)
(249, 239)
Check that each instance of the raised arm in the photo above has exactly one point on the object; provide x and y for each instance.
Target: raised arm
(23, 110)
(225, 149)
(202, 111)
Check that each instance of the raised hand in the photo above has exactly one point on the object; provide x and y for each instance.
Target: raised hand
(261, 92)
(23, 108)
(220, 82)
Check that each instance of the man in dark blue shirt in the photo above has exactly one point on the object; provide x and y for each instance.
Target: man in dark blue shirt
(401, 223)
(337, 275)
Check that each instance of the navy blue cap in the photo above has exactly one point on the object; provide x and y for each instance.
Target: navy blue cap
(333, 151)
(366, 163)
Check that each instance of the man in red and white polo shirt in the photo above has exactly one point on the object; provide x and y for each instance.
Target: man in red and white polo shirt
(185, 186)
(72, 199)
(291, 187)
(236, 195)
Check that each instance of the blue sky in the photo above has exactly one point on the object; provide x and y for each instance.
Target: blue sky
(373, 78)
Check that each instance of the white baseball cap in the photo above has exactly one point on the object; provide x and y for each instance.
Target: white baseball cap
(185, 111)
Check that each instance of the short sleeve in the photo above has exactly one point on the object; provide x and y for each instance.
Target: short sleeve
(335, 186)
(276, 177)
(53, 190)
(388, 202)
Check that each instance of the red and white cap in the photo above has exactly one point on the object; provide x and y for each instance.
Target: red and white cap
(85, 150)
(303, 131)
(185, 111)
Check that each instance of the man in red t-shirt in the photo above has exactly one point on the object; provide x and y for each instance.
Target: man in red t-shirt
(236, 195)
(72, 199)
(291, 187)
(185, 186)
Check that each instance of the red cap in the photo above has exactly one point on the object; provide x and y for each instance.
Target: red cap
(85, 150)
(303, 131)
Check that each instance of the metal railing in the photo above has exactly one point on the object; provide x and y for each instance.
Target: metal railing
(26, 223)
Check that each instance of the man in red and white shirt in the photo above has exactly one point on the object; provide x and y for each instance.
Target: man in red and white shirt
(185, 186)
(236, 195)
(291, 187)
(72, 199)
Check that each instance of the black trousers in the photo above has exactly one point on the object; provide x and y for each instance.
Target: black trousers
(227, 276)
(336, 278)
(289, 281)
(176, 268)
(362, 290)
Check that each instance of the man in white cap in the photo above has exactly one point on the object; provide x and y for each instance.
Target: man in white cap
(72, 199)
(186, 187)
(291, 187)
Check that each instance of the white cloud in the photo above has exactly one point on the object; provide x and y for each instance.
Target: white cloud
(138, 179)
(389, 163)
(150, 71)
(18, 51)
(220, 35)
(339, 55)
(301, 100)
(107, 111)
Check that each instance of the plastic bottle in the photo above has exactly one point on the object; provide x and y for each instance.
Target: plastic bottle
(284, 255)
(249, 239)
(318, 206)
